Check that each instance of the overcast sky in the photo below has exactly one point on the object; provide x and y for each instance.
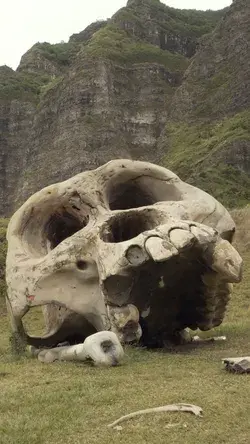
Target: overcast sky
(25, 22)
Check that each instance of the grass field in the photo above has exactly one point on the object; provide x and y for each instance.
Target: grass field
(64, 403)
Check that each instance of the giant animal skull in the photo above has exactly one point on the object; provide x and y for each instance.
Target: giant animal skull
(123, 246)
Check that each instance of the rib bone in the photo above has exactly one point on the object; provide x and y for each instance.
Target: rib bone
(196, 410)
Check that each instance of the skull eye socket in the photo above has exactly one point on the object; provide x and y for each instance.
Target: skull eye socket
(62, 225)
(123, 227)
(140, 192)
(45, 225)
(129, 195)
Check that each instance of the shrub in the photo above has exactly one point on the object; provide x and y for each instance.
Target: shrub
(60, 53)
(21, 85)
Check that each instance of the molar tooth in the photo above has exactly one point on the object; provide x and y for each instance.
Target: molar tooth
(181, 238)
(204, 236)
(136, 255)
(159, 249)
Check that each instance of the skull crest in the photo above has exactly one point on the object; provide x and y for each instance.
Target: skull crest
(129, 248)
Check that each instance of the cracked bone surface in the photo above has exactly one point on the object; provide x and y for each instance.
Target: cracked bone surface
(128, 247)
(102, 348)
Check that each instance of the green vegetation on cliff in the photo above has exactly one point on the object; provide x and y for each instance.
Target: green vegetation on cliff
(34, 76)
(140, 32)
(112, 43)
(92, 108)
(60, 53)
(142, 15)
(198, 153)
(21, 85)
(85, 35)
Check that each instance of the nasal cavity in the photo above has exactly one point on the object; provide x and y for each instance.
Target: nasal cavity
(123, 227)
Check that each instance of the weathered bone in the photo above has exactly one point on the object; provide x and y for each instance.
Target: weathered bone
(226, 261)
(102, 348)
(125, 322)
(189, 408)
(159, 249)
(108, 244)
(238, 365)
(181, 238)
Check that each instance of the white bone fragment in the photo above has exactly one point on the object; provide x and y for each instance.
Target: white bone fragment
(125, 322)
(238, 365)
(103, 348)
(235, 360)
(214, 338)
(190, 408)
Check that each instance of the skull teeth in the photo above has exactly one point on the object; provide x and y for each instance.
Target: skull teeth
(159, 249)
(203, 235)
(181, 238)
(226, 261)
(216, 296)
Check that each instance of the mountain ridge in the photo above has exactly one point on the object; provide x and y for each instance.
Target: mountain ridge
(127, 87)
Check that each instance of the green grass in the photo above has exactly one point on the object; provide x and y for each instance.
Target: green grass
(65, 403)
(197, 151)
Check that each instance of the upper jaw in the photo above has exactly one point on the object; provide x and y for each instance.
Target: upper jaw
(158, 253)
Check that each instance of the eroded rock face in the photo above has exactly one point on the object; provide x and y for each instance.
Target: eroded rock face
(126, 247)
(110, 111)
(15, 121)
(217, 81)
(105, 94)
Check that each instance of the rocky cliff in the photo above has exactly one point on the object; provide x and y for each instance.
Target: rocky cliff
(207, 137)
(152, 82)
